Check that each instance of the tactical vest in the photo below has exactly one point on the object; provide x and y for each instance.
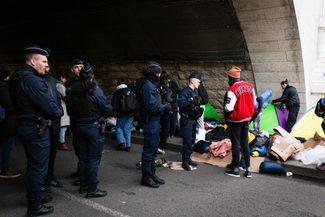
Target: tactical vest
(23, 104)
(78, 101)
(193, 111)
(157, 95)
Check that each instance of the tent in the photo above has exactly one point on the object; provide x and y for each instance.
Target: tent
(211, 112)
(269, 119)
(307, 125)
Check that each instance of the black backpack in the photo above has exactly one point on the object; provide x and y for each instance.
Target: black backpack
(320, 108)
(128, 101)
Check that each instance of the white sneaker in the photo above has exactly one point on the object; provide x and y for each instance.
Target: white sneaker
(160, 151)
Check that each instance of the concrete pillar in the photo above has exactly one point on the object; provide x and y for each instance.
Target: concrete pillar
(272, 37)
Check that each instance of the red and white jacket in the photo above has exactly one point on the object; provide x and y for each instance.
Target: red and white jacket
(240, 102)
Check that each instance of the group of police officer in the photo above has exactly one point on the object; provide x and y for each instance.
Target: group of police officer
(37, 107)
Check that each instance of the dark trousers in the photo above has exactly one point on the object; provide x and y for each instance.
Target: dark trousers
(7, 144)
(151, 131)
(164, 132)
(188, 129)
(54, 143)
(37, 150)
(173, 122)
(239, 140)
(74, 141)
(90, 141)
(292, 116)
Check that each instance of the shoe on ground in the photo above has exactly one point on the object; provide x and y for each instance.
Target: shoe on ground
(321, 167)
(147, 181)
(9, 174)
(54, 182)
(83, 189)
(232, 173)
(96, 193)
(46, 189)
(192, 163)
(127, 149)
(161, 151)
(77, 182)
(64, 147)
(186, 166)
(41, 210)
(157, 179)
(120, 147)
(74, 175)
(248, 174)
(46, 199)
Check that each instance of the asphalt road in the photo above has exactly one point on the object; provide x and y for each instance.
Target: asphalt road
(203, 192)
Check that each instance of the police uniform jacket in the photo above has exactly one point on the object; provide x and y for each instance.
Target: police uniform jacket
(32, 95)
(151, 100)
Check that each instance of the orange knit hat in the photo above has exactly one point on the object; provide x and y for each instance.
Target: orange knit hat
(234, 72)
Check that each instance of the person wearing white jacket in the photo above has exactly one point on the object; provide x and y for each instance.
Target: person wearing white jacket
(65, 119)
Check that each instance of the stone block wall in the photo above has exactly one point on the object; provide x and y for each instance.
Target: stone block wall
(215, 79)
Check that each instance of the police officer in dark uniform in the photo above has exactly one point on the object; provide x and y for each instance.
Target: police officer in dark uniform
(89, 106)
(189, 105)
(51, 180)
(150, 110)
(76, 66)
(35, 108)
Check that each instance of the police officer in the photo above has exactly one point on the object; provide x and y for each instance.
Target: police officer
(51, 180)
(76, 66)
(189, 105)
(150, 110)
(35, 107)
(89, 106)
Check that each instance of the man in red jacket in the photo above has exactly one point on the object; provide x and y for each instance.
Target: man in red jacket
(239, 109)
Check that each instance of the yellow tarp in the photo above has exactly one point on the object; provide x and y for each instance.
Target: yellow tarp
(307, 125)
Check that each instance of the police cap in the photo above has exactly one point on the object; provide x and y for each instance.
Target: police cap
(154, 68)
(76, 62)
(35, 49)
(197, 75)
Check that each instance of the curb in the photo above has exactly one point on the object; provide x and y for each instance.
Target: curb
(297, 168)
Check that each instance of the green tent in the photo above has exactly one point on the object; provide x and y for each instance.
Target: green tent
(269, 119)
(211, 112)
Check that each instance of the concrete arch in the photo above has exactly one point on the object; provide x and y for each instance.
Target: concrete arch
(272, 37)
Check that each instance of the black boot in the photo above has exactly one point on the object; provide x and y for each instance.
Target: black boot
(39, 210)
(186, 166)
(83, 189)
(147, 180)
(192, 163)
(157, 179)
(95, 192)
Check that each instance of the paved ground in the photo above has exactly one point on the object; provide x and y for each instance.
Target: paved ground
(204, 192)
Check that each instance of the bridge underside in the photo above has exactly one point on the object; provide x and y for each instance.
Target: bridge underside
(205, 30)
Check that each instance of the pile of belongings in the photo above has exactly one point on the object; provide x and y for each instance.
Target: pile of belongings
(260, 144)
(283, 145)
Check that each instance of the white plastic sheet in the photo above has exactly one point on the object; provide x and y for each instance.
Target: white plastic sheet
(309, 156)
